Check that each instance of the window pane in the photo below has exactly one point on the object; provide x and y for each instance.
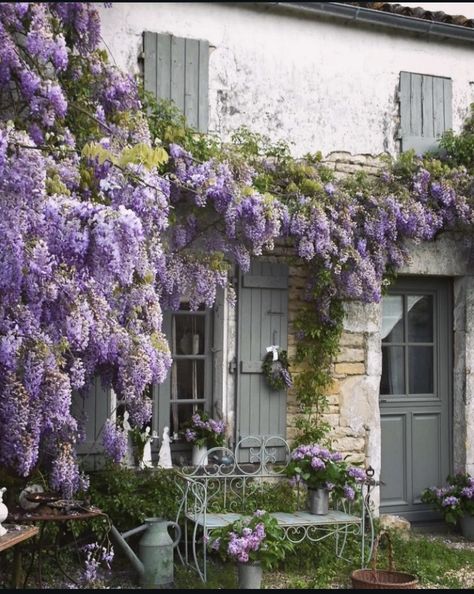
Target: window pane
(420, 363)
(187, 379)
(392, 318)
(180, 413)
(420, 318)
(393, 371)
(189, 332)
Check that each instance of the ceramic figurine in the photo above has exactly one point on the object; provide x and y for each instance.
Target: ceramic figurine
(165, 450)
(3, 512)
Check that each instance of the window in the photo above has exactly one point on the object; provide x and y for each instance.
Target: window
(408, 345)
(189, 385)
(425, 110)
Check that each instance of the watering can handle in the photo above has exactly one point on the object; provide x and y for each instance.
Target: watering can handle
(178, 532)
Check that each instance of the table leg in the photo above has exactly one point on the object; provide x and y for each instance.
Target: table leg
(17, 569)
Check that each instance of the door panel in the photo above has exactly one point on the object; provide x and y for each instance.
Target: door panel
(427, 439)
(394, 433)
(263, 321)
(416, 387)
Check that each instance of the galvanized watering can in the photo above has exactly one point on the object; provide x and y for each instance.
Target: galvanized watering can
(155, 562)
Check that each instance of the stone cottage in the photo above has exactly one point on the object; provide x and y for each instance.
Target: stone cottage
(354, 80)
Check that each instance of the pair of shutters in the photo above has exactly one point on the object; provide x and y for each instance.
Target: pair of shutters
(425, 110)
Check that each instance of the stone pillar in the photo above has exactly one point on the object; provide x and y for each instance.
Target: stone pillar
(359, 399)
(463, 376)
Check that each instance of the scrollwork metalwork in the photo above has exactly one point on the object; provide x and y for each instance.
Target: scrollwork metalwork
(220, 491)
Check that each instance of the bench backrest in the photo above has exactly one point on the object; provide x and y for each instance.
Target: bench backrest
(232, 476)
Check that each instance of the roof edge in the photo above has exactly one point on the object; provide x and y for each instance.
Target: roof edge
(377, 17)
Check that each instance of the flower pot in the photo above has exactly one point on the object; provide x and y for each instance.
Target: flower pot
(318, 501)
(199, 455)
(250, 575)
(467, 526)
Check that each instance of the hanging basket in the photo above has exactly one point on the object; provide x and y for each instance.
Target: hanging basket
(383, 579)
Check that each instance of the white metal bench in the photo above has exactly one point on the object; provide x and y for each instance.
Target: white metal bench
(214, 496)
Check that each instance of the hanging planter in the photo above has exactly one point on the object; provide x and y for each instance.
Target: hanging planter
(275, 370)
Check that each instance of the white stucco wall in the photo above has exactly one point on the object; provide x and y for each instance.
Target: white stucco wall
(319, 84)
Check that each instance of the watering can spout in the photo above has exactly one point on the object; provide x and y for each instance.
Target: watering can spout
(120, 538)
(155, 563)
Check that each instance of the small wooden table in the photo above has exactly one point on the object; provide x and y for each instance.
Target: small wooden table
(16, 535)
(44, 515)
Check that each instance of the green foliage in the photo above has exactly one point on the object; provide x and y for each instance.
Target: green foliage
(317, 346)
(168, 125)
(274, 497)
(129, 496)
(460, 147)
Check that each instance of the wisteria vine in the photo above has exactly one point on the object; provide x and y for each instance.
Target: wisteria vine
(102, 229)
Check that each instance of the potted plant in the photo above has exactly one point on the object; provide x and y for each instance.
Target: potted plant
(455, 501)
(255, 543)
(204, 433)
(324, 472)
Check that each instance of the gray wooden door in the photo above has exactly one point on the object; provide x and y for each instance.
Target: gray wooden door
(415, 394)
(263, 321)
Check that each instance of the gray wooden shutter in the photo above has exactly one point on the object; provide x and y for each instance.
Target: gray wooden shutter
(93, 409)
(425, 110)
(263, 321)
(177, 69)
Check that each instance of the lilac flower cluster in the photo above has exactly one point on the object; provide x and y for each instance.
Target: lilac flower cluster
(254, 538)
(318, 467)
(202, 430)
(453, 500)
(240, 546)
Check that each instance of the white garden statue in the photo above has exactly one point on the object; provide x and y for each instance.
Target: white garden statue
(146, 462)
(3, 512)
(164, 460)
(128, 459)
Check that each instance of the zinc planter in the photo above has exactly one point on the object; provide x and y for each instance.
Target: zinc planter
(199, 456)
(250, 575)
(467, 527)
(318, 501)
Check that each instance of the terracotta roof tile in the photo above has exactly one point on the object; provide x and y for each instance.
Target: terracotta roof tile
(418, 12)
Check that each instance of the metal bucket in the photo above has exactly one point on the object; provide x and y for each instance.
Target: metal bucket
(467, 527)
(250, 575)
(318, 501)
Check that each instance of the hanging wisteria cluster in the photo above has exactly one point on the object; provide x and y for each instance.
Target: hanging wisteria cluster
(102, 229)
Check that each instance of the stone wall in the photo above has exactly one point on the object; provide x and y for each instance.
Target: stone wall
(355, 373)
